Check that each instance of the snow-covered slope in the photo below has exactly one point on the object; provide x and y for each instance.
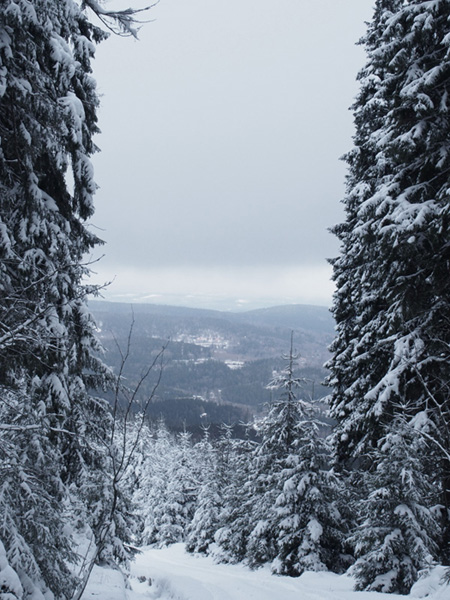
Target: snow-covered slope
(171, 574)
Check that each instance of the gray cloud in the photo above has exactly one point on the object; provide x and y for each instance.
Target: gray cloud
(222, 132)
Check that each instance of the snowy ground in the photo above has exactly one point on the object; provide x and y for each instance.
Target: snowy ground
(171, 574)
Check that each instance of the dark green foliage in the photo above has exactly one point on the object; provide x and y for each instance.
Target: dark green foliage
(309, 510)
(392, 304)
(238, 502)
(397, 532)
(53, 432)
(296, 521)
(47, 344)
(205, 520)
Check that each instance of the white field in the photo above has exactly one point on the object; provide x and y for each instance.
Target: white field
(172, 574)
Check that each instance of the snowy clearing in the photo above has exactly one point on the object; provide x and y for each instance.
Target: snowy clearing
(172, 574)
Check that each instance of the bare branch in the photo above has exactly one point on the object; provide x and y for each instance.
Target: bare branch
(120, 22)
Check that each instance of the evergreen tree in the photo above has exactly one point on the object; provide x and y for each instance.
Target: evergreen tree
(390, 356)
(177, 509)
(205, 521)
(10, 586)
(54, 431)
(32, 518)
(360, 301)
(237, 504)
(309, 508)
(152, 492)
(296, 517)
(397, 533)
(278, 445)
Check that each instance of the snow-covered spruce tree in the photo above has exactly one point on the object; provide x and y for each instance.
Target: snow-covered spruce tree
(167, 497)
(278, 444)
(53, 430)
(11, 588)
(139, 444)
(396, 534)
(32, 521)
(392, 301)
(205, 521)
(310, 508)
(234, 524)
(297, 522)
(151, 496)
(182, 489)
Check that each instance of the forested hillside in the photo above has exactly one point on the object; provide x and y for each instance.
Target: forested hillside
(216, 364)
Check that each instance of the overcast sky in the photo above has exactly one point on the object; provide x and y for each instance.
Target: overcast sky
(219, 170)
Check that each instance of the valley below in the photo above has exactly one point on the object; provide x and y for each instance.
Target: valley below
(216, 366)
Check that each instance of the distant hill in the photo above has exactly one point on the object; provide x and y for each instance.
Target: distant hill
(217, 363)
(293, 316)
